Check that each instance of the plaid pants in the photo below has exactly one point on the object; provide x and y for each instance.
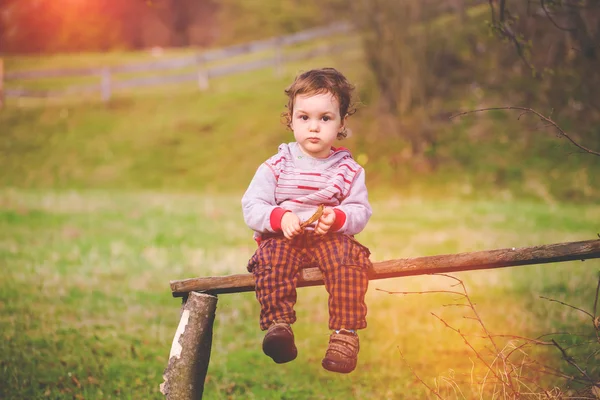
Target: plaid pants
(345, 266)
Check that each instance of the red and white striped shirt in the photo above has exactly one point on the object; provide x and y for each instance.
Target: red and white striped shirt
(293, 181)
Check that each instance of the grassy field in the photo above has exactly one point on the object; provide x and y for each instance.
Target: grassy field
(102, 204)
(86, 311)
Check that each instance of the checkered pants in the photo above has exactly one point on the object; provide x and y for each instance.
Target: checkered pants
(345, 266)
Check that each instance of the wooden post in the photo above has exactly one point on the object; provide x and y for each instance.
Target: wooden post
(190, 353)
(278, 60)
(202, 74)
(105, 85)
(1, 83)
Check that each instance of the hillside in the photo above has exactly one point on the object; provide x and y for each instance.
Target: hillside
(179, 139)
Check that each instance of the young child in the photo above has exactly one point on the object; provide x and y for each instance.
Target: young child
(286, 191)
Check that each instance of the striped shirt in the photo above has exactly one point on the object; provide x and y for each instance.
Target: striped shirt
(294, 181)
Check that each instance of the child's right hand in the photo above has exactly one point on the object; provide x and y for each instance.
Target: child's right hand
(290, 225)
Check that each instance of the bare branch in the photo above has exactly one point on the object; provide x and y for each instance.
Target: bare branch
(549, 16)
(492, 10)
(546, 119)
(423, 292)
(417, 376)
(592, 354)
(534, 341)
(571, 361)
(568, 305)
(596, 298)
(502, 7)
(595, 320)
(473, 309)
(489, 367)
(455, 305)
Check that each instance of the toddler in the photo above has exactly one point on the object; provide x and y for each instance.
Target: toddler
(304, 176)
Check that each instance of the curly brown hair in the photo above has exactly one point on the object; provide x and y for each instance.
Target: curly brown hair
(319, 81)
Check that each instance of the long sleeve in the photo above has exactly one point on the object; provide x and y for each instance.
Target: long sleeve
(355, 209)
(260, 210)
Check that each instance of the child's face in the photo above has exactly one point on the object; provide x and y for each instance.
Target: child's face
(316, 122)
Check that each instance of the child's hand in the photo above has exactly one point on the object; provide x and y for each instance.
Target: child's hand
(290, 225)
(326, 221)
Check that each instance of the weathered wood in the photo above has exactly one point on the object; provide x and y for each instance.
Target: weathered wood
(278, 59)
(412, 266)
(203, 75)
(1, 83)
(190, 353)
(105, 89)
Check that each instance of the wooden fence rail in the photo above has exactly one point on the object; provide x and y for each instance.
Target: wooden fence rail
(198, 62)
(411, 266)
(184, 376)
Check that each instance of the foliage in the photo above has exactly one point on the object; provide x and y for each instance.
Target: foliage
(423, 55)
(557, 43)
(243, 20)
(31, 26)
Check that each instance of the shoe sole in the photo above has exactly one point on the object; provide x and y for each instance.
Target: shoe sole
(280, 349)
(335, 367)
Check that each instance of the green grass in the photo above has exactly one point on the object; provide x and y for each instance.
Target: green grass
(85, 306)
(102, 204)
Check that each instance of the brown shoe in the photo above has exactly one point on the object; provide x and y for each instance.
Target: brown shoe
(342, 352)
(279, 343)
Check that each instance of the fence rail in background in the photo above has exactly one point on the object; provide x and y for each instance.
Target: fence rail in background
(1, 83)
(201, 74)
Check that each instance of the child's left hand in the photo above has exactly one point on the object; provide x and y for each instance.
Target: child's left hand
(326, 221)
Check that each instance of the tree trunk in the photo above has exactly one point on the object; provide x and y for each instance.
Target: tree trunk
(190, 352)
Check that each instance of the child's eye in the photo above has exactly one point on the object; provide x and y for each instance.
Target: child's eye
(326, 118)
(303, 117)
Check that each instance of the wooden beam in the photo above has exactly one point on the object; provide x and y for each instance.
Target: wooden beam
(412, 266)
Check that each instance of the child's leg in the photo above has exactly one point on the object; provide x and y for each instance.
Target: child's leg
(347, 286)
(275, 269)
(345, 265)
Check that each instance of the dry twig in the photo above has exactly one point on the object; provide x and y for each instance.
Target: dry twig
(417, 376)
(509, 380)
(542, 117)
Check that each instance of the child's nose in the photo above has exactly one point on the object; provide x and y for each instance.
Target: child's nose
(313, 126)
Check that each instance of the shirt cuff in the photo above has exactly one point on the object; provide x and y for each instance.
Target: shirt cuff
(340, 220)
(275, 218)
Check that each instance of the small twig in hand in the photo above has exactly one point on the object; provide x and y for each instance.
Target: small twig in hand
(314, 217)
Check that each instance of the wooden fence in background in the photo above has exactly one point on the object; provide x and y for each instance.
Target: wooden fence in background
(197, 65)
